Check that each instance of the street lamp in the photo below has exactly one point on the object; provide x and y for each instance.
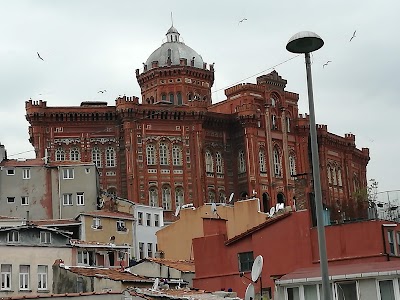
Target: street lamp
(306, 42)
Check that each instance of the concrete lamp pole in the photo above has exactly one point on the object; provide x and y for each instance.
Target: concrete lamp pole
(306, 42)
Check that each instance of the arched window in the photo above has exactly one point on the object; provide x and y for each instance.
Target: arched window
(60, 154)
(150, 155)
(153, 197)
(110, 157)
(219, 163)
(209, 162)
(292, 165)
(273, 102)
(242, 162)
(274, 124)
(169, 53)
(287, 124)
(179, 98)
(177, 155)
(277, 163)
(179, 200)
(171, 98)
(74, 154)
(163, 154)
(211, 196)
(166, 198)
(164, 97)
(261, 161)
(339, 177)
(96, 156)
(329, 171)
(222, 197)
(334, 178)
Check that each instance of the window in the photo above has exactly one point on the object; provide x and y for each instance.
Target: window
(277, 163)
(85, 258)
(329, 171)
(334, 178)
(391, 242)
(153, 197)
(149, 249)
(346, 290)
(211, 196)
(42, 277)
(176, 155)
(261, 161)
(209, 162)
(24, 200)
(68, 173)
(293, 293)
(150, 155)
(96, 156)
(121, 225)
(310, 292)
(339, 177)
(163, 154)
(242, 162)
(148, 219)
(140, 218)
(67, 199)
(13, 237)
(288, 124)
(386, 290)
(179, 97)
(171, 98)
(10, 199)
(292, 165)
(245, 261)
(10, 172)
(6, 277)
(219, 163)
(110, 157)
(96, 223)
(45, 237)
(156, 220)
(178, 197)
(26, 173)
(141, 250)
(398, 242)
(166, 198)
(80, 198)
(273, 123)
(23, 277)
(60, 154)
(74, 154)
(222, 197)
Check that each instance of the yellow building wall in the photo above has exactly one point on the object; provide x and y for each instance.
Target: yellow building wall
(175, 240)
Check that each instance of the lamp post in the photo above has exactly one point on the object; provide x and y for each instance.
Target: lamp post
(306, 42)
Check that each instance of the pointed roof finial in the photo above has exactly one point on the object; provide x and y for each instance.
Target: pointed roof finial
(172, 20)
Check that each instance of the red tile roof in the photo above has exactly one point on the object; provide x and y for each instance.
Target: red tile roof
(371, 267)
(181, 265)
(109, 214)
(22, 163)
(83, 244)
(268, 222)
(40, 296)
(55, 222)
(113, 274)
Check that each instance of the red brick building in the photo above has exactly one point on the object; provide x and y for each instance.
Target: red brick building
(175, 146)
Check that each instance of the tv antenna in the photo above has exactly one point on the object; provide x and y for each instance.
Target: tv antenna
(250, 293)
(256, 271)
(231, 197)
(177, 210)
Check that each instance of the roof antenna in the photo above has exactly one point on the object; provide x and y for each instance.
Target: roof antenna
(172, 20)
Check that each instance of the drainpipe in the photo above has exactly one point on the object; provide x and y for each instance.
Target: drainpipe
(384, 240)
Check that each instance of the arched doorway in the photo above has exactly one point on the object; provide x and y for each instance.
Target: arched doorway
(280, 198)
(266, 202)
(244, 195)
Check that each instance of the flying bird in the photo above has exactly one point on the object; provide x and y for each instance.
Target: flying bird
(102, 91)
(325, 64)
(242, 20)
(39, 56)
(354, 35)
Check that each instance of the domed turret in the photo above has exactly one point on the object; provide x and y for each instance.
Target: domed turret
(172, 51)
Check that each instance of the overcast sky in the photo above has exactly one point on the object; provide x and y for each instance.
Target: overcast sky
(92, 45)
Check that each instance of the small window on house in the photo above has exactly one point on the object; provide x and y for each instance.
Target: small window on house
(42, 277)
(391, 242)
(85, 258)
(245, 261)
(87, 170)
(148, 219)
(80, 198)
(6, 277)
(26, 173)
(157, 221)
(149, 249)
(293, 293)
(10, 172)
(24, 277)
(67, 199)
(13, 237)
(10, 199)
(24, 200)
(140, 218)
(141, 250)
(386, 289)
(121, 225)
(96, 223)
(346, 290)
(45, 237)
(68, 173)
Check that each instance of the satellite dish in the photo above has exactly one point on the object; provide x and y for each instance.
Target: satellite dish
(214, 208)
(231, 197)
(272, 211)
(155, 284)
(257, 268)
(250, 293)
(177, 210)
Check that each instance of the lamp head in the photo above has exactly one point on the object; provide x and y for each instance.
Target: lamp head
(304, 42)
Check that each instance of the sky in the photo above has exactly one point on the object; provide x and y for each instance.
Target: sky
(92, 45)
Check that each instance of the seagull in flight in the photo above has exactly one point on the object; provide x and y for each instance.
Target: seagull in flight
(102, 91)
(354, 35)
(325, 64)
(242, 20)
(39, 56)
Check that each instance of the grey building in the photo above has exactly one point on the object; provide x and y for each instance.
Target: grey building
(38, 190)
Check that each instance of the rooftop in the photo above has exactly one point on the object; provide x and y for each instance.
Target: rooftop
(181, 265)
